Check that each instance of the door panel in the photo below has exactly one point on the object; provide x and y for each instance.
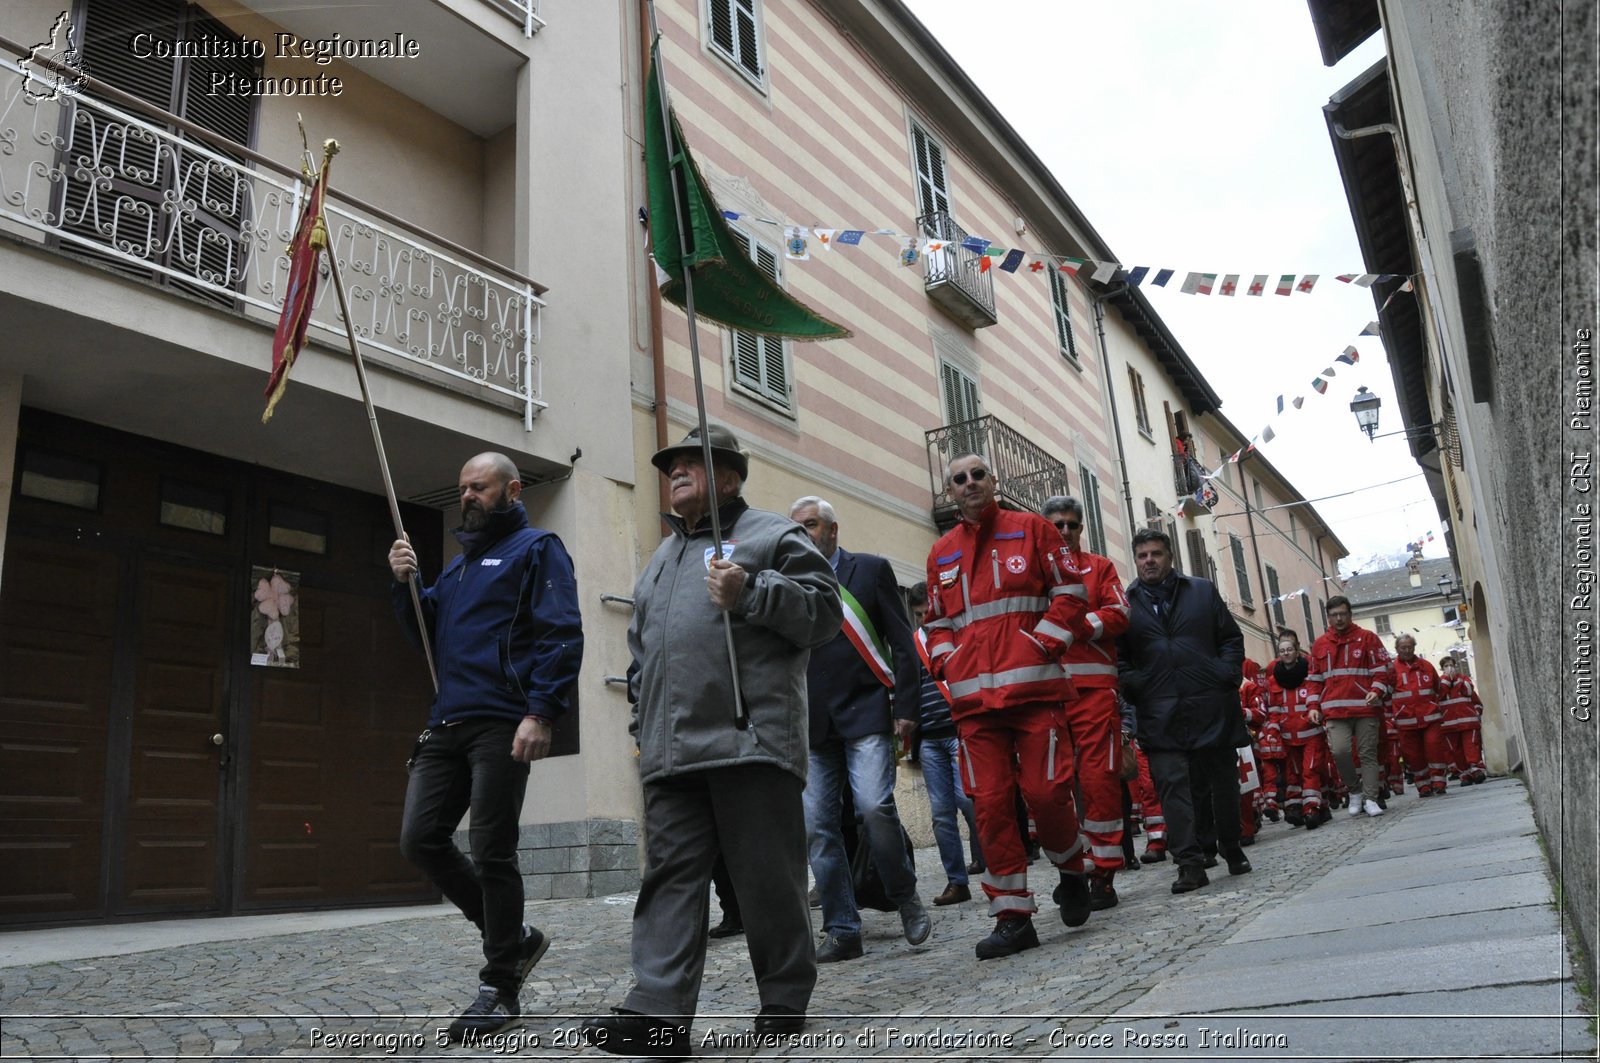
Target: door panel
(57, 614)
(171, 859)
(328, 752)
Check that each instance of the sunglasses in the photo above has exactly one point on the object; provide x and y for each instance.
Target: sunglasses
(1069, 524)
(978, 476)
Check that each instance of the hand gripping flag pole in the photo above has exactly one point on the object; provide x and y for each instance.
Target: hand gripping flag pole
(310, 239)
(741, 714)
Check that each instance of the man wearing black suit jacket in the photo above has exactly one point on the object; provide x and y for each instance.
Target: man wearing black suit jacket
(864, 691)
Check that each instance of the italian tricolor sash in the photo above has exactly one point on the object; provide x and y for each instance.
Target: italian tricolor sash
(921, 638)
(864, 637)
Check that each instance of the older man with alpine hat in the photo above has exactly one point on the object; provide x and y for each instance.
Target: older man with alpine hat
(720, 777)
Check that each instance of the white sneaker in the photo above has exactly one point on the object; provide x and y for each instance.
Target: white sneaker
(1371, 808)
(1355, 805)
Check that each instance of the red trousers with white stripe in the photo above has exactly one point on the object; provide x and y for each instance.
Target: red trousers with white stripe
(1273, 772)
(1096, 731)
(1027, 746)
(1143, 789)
(1466, 746)
(1427, 754)
(1305, 767)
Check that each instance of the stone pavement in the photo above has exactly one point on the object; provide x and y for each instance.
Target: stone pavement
(1428, 933)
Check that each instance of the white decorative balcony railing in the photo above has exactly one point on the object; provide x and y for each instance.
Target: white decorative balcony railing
(524, 11)
(89, 178)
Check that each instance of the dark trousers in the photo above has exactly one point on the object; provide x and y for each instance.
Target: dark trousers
(1188, 780)
(466, 766)
(753, 816)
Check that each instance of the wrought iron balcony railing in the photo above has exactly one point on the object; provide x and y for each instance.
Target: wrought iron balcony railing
(1187, 475)
(1025, 473)
(956, 279)
(85, 177)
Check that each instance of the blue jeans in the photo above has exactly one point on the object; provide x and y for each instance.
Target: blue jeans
(868, 762)
(461, 766)
(941, 773)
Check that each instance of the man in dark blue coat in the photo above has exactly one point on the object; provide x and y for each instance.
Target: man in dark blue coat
(1180, 663)
(864, 691)
(503, 621)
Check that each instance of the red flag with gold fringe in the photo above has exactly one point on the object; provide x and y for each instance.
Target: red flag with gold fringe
(310, 239)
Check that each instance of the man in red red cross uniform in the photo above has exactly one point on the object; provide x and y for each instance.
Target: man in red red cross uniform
(1463, 715)
(1005, 603)
(1420, 718)
(1094, 720)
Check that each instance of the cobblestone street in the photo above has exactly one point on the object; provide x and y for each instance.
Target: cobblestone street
(1440, 908)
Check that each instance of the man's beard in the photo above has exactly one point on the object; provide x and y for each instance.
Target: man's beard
(474, 517)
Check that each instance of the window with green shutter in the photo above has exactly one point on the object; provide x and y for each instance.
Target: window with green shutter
(760, 363)
(1273, 592)
(1060, 298)
(1092, 519)
(1240, 572)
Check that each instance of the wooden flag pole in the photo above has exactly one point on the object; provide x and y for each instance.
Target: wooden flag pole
(741, 714)
(330, 148)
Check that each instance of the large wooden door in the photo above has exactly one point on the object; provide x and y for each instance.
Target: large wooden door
(146, 765)
(179, 740)
(57, 628)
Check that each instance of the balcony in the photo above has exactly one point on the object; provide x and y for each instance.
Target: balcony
(1025, 472)
(956, 280)
(1187, 475)
(212, 220)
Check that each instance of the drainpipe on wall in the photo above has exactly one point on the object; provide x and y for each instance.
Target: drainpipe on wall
(1111, 400)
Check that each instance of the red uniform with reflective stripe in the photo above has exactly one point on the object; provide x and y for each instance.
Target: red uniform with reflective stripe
(1091, 660)
(1343, 669)
(1305, 751)
(1005, 602)
(1419, 717)
(1415, 696)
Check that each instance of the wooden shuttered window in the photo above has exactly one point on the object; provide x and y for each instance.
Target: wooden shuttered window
(1060, 299)
(1089, 484)
(959, 391)
(1274, 592)
(1240, 571)
(760, 363)
(734, 33)
(933, 192)
(1311, 629)
(149, 198)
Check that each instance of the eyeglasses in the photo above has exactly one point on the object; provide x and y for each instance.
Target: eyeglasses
(978, 476)
(1070, 525)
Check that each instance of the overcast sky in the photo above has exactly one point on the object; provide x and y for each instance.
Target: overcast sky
(1192, 137)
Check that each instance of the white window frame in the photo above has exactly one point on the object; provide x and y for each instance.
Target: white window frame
(765, 349)
(752, 67)
(1382, 625)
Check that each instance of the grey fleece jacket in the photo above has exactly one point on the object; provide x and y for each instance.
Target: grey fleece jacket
(680, 681)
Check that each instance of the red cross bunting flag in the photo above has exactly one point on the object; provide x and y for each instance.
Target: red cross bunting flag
(310, 239)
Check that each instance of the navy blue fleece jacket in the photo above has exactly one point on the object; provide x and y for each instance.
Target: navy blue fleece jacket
(503, 616)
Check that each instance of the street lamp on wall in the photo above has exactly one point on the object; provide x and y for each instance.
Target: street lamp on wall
(1365, 407)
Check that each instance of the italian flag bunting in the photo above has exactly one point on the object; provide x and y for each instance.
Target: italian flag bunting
(1285, 284)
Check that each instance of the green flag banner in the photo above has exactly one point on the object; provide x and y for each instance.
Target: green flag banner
(728, 285)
